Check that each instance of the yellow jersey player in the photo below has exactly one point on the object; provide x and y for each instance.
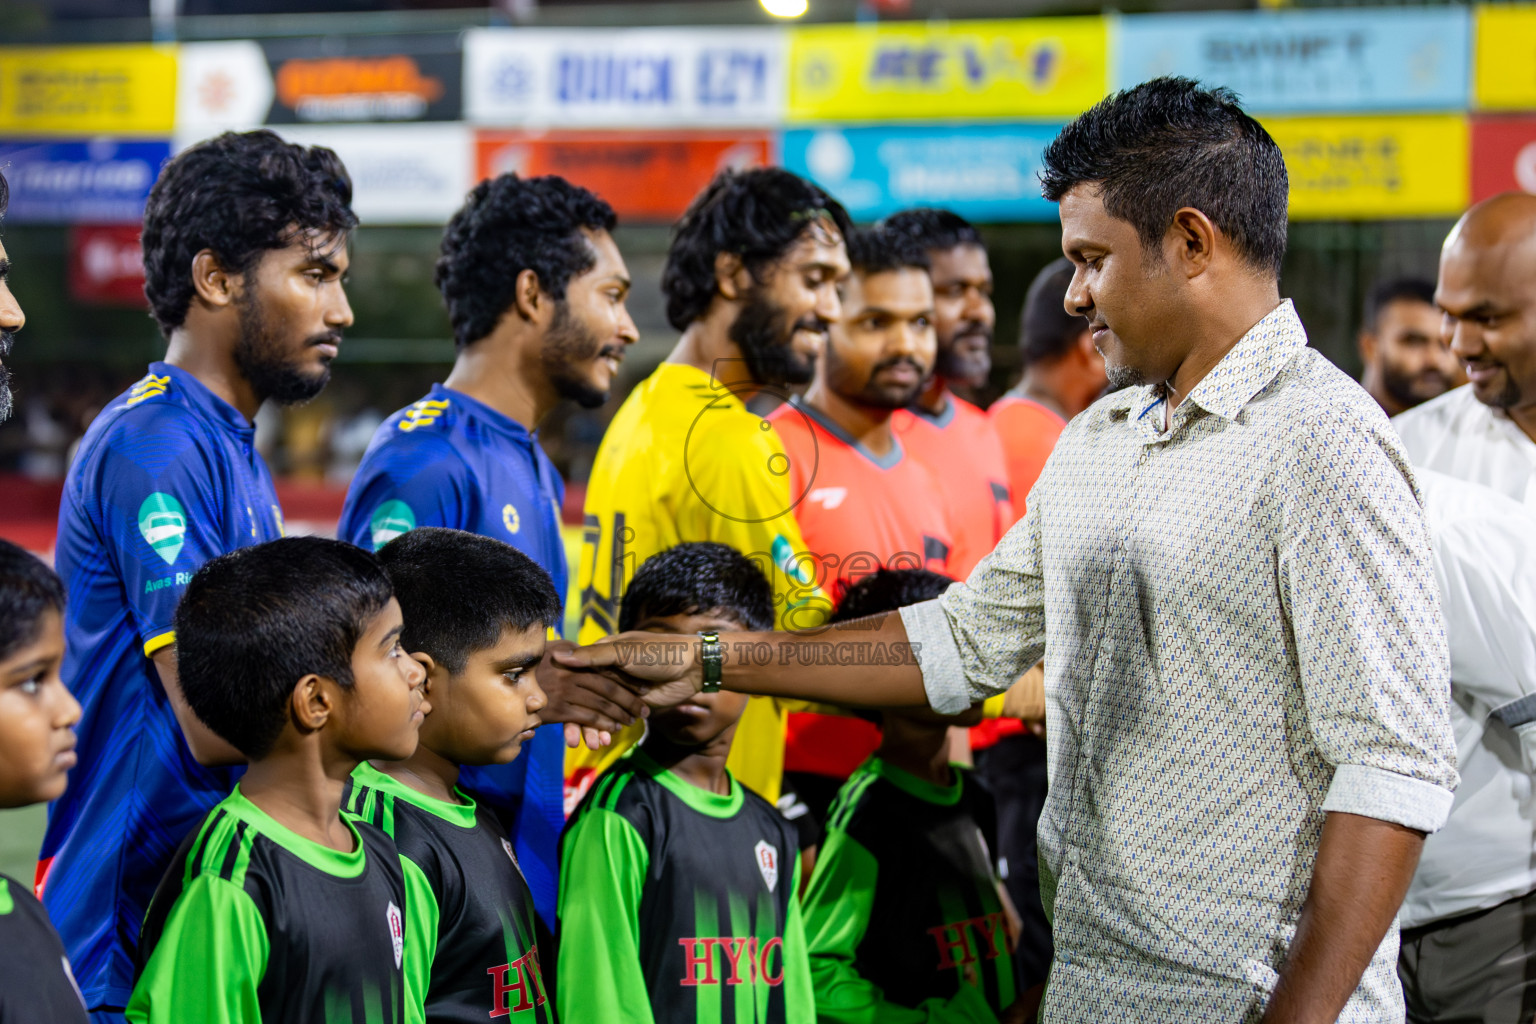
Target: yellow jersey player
(751, 281)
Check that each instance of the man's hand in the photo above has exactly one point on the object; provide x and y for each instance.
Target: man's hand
(664, 669)
(591, 705)
(1025, 699)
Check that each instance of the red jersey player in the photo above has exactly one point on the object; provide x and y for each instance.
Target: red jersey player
(949, 435)
(865, 502)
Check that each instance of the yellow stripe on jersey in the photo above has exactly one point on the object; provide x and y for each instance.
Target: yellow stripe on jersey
(159, 642)
(685, 460)
(149, 387)
(423, 414)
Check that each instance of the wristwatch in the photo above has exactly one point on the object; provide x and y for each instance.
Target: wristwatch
(712, 654)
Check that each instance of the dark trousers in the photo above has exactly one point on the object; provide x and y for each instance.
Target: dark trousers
(1475, 969)
(1013, 769)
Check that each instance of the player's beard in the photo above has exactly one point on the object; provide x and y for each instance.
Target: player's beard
(841, 381)
(764, 334)
(261, 356)
(1410, 389)
(7, 403)
(569, 345)
(966, 365)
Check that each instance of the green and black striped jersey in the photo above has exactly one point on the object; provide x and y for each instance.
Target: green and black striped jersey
(471, 952)
(902, 914)
(678, 906)
(253, 922)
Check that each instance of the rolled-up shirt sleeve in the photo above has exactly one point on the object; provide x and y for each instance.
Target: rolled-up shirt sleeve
(982, 634)
(1358, 581)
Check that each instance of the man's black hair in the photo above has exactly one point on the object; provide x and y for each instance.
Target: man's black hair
(254, 622)
(1171, 143)
(508, 225)
(757, 214)
(879, 249)
(240, 195)
(1396, 289)
(699, 578)
(28, 591)
(886, 590)
(934, 229)
(459, 592)
(5, 194)
(1046, 330)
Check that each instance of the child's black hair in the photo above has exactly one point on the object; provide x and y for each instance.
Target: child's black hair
(254, 622)
(28, 590)
(459, 591)
(886, 590)
(699, 578)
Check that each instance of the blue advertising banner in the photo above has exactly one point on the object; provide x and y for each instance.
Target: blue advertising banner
(984, 173)
(1302, 61)
(100, 182)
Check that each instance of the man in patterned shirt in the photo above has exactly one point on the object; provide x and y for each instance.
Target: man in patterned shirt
(1247, 693)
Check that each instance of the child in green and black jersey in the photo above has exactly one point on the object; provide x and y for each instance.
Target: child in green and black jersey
(904, 915)
(277, 907)
(678, 885)
(37, 749)
(476, 614)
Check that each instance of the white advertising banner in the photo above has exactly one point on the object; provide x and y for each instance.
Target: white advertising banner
(401, 174)
(221, 87)
(701, 77)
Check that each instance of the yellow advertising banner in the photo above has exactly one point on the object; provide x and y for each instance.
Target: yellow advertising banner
(1041, 67)
(1365, 168)
(83, 90)
(1504, 57)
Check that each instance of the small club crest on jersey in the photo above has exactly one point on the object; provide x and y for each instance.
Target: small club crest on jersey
(396, 932)
(767, 862)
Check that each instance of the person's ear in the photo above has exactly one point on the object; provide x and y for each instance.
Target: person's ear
(1084, 351)
(435, 672)
(215, 286)
(1367, 344)
(731, 276)
(312, 703)
(1191, 241)
(528, 297)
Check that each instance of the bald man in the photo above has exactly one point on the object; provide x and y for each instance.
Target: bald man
(1486, 431)
(1469, 921)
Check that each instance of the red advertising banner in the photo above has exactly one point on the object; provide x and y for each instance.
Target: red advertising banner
(1503, 155)
(645, 176)
(106, 265)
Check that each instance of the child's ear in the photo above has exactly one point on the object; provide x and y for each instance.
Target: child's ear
(429, 663)
(311, 704)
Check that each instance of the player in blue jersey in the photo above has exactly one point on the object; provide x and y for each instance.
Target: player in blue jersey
(244, 251)
(11, 316)
(535, 290)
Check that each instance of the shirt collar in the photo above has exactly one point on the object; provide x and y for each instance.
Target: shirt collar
(1246, 369)
(210, 405)
(831, 426)
(498, 421)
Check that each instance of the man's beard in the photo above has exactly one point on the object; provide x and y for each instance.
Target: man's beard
(1120, 377)
(568, 345)
(964, 366)
(7, 402)
(1409, 390)
(763, 333)
(868, 393)
(259, 356)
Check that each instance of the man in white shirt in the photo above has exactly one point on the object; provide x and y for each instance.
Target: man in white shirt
(1486, 431)
(1469, 922)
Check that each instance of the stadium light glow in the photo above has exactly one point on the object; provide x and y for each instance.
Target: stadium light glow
(785, 8)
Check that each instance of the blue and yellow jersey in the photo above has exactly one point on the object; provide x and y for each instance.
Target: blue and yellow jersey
(685, 460)
(167, 477)
(451, 461)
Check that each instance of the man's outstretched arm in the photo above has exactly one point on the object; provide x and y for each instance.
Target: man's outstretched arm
(1362, 873)
(863, 663)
